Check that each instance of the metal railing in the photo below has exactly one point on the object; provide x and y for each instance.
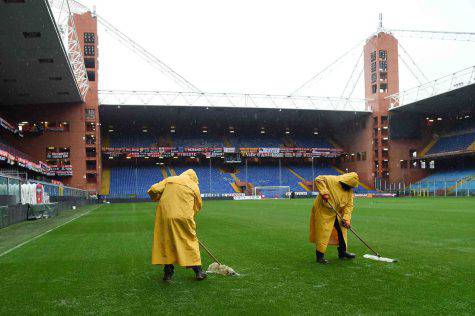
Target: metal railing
(231, 100)
(444, 187)
(448, 83)
(64, 19)
(12, 186)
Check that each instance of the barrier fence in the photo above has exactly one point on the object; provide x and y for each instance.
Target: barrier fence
(12, 186)
(445, 187)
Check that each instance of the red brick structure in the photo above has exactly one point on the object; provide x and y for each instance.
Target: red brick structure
(82, 136)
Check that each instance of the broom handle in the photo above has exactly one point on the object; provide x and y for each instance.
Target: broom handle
(361, 239)
(209, 252)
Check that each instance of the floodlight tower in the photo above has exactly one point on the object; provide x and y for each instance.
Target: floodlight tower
(381, 75)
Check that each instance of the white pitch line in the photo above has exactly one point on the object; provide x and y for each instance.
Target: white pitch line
(48, 231)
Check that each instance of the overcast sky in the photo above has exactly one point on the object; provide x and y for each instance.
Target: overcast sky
(271, 46)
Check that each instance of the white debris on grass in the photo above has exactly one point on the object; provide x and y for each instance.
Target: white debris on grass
(221, 269)
(382, 259)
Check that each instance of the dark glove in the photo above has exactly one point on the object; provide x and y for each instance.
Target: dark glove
(345, 223)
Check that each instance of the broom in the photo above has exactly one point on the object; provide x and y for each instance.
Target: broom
(217, 267)
(376, 255)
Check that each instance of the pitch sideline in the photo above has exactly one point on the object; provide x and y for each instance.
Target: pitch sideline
(46, 232)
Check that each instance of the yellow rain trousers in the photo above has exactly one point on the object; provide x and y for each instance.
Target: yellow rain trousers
(322, 218)
(174, 236)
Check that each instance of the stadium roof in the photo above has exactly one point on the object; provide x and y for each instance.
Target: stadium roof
(450, 94)
(222, 118)
(34, 67)
(454, 101)
(229, 100)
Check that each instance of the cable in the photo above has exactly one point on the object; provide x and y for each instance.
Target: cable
(326, 68)
(413, 62)
(352, 72)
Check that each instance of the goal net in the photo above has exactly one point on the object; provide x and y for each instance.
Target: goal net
(272, 192)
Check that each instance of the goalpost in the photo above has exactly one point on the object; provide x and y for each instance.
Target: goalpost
(272, 192)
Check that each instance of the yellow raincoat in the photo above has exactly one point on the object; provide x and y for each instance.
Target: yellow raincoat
(322, 218)
(174, 237)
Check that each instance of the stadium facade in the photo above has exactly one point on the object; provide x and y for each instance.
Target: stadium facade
(52, 131)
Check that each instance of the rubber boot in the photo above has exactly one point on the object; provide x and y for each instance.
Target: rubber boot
(321, 258)
(168, 271)
(200, 274)
(343, 254)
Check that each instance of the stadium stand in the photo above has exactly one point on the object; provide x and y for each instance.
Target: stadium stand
(446, 179)
(129, 180)
(447, 144)
(119, 140)
(312, 142)
(203, 140)
(262, 140)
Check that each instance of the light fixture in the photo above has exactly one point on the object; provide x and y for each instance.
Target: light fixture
(110, 157)
(128, 157)
(146, 157)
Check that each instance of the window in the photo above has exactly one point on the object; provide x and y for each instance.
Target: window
(89, 38)
(373, 66)
(373, 77)
(31, 34)
(383, 87)
(90, 152)
(90, 62)
(374, 88)
(383, 65)
(89, 50)
(382, 54)
(90, 114)
(91, 75)
(373, 56)
(383, 76)
(363, 155)
(403, 164)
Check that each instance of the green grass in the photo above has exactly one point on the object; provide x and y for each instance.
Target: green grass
(100, 263)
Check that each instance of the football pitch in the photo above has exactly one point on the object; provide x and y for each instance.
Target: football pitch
(99, 263)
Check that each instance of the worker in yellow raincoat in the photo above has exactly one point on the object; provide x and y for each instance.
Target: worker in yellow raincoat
(174, 237)
(325, 227)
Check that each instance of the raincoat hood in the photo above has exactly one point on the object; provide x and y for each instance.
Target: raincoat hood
(190, 173)
(350, 179)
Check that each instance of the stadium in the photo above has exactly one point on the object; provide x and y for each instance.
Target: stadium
(77, 161)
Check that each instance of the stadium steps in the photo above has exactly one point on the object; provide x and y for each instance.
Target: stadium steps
(106, 181)
(333, 143)
(105, 140)
(288, 142)
(365, 186)
(171, 171)
(234, 185)
(227, 143)
(459, 183)
(304, 187)
(471, 147)
(164, 172)
(301, 182)
(428, 147)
